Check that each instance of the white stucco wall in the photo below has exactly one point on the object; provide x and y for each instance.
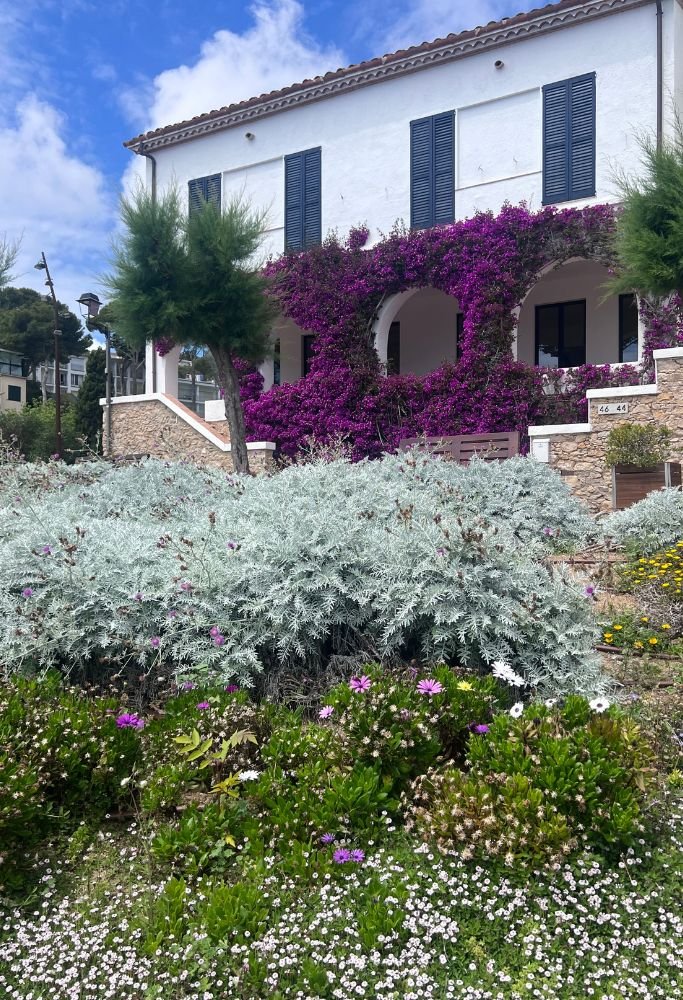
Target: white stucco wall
(580, 279)
(364, 134)
(428, 331)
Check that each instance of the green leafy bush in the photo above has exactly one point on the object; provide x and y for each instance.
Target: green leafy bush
(540, 786)
(162, 564)
(33, 430)
(643, 445)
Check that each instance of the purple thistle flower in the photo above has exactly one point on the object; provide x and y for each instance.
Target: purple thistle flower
(203, 704)
(481, 729)
(172, 613)
(155, 641)
(219, 640)
(138, 596)
(429, 687)
(589, 591)
(548, 532)
(186, 586)
(231, 688)
(130, 720)
(441, 551)
(341, 855)
(360, 684)
(47, 550)
(326, 712)
(232, 546)
(214, 631)
(357, 856)
(27, 592)
(188, 686)
(327, 838)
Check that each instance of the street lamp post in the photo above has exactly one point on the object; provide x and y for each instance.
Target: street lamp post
(92, 303)
(42, 266)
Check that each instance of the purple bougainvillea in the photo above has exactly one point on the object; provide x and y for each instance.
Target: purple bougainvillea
(489, 263)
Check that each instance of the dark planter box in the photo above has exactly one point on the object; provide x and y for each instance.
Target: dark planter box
(630, 483)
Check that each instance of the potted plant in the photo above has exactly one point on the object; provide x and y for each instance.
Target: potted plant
(637, 456)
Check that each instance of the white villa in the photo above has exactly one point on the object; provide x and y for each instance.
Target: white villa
(543, 107)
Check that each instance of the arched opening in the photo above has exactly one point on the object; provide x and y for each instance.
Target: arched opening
(417, 330)
(568, 318)
(292, 353)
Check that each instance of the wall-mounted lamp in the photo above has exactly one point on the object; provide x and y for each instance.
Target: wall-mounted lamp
(499, 64)
(249, 135)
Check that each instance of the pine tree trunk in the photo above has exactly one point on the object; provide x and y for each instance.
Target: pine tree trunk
(234, 414)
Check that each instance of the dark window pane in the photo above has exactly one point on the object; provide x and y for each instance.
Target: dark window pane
(573, 333)
(307, 352)
(276, 362)
(394, 349)
(459, 333)
(628, 328)
(14, 393)
(548, 336)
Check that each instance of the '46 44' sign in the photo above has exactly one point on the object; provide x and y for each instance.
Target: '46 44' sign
(612, 408)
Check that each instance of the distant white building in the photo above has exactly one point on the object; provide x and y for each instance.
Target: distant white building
(12, 381)
(542, 107)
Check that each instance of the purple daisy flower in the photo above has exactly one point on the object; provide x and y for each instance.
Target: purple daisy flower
(357, 856)
(130, 720)
(203, 704)
(429, 687)
(327, 838)
(481, 729)
(360, 684)
(231, 688)
(325, 712)
(187, 686)
(341, 855)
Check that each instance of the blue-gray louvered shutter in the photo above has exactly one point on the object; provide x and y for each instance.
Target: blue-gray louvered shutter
(555, 142)
(421, 173)
(444, 168)
(582, 137)
(294, 201)
(312, 198)
(569, 139)
(204, 189)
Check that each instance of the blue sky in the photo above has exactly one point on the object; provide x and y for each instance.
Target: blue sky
(78, 77)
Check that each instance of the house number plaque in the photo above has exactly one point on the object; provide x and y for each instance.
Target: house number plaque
(608, 408)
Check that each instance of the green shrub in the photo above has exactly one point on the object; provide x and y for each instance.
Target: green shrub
(643, 445)
(33, 430)
(169, 566)
(201, 840)
(540, 786)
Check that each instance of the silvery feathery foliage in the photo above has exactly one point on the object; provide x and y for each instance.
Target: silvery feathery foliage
(160, 563)
(653, 523)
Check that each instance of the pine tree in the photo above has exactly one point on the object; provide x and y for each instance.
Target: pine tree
(88, 407)
(650, 226)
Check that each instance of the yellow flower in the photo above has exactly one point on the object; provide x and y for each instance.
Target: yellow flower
(638, 645)
(666, 585)
(666, 626)
(607, 636)
(644, 619)
(652, 641)
(617, 628)
(464, 686)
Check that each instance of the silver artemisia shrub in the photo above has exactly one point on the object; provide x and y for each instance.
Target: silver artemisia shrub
(652, 524)
(201, 571)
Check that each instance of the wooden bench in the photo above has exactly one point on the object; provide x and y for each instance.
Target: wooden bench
(462, 447)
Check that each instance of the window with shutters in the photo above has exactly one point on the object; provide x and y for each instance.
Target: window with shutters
(204, 189)
(561, 334)
(303, 206)
(432, 170)
(569, 139)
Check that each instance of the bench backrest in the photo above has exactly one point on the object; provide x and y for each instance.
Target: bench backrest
(462, 447)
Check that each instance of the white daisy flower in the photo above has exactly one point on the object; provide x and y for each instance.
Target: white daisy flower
(549, 702)
(599, 704)
(249, 775)
(517, 709)
(504, 672)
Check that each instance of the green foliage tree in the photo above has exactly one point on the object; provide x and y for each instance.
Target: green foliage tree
(88, 407)
(27, 326)
(32, 430)
(195, 280)
(649, 240)
(8, 258)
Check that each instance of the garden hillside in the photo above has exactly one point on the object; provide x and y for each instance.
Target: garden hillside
(393, 731)
(106, 567)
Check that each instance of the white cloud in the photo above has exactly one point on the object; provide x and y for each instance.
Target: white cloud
(274, 52)
(52, 200)
(424, 20)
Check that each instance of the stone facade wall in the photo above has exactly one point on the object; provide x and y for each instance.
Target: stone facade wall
(151, 428)
(580, 457)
